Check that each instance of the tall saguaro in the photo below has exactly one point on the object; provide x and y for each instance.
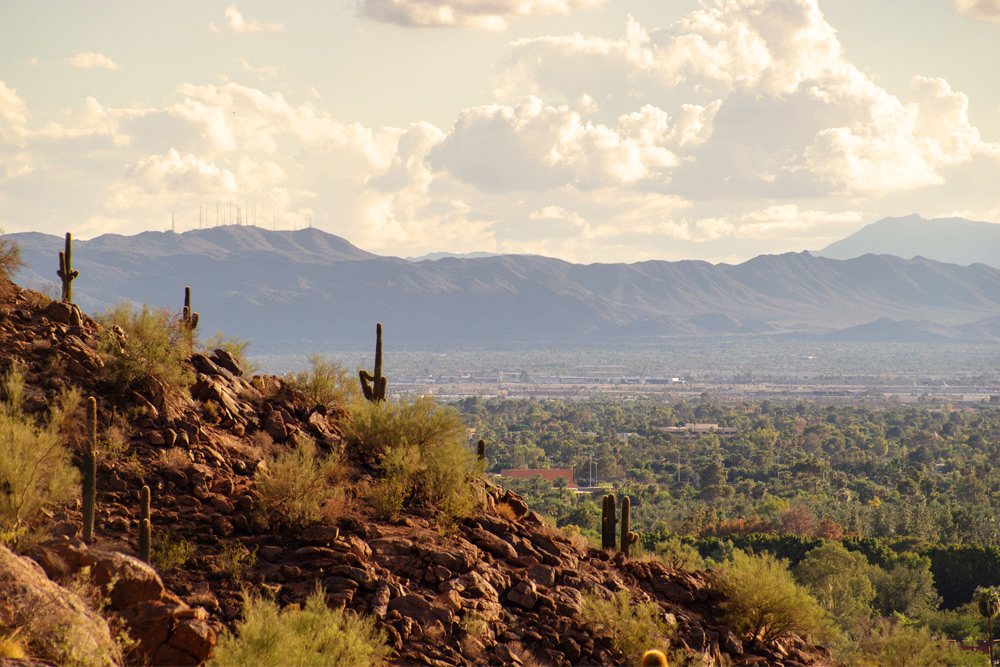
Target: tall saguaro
(66, 272)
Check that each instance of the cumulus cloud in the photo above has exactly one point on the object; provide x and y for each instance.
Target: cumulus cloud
(775, 107)
(236, 23)
(535, 146)
(482, 14)
(980, 9)
(90, 60)
(780, 219)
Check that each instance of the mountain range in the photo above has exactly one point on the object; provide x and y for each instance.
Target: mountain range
(310, 289)
(951, 240)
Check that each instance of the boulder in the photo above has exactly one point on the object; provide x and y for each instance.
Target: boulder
(60, 620)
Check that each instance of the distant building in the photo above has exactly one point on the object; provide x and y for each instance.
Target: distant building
(549, 474)
(695, 430)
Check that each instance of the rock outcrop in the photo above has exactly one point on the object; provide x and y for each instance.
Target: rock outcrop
(496, 588)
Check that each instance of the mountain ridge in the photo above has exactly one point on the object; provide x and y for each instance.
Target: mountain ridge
(308, 286)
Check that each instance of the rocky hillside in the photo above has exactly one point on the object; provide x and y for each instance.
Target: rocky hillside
(420, 581)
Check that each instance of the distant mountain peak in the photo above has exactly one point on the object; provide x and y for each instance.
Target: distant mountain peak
(950, 240)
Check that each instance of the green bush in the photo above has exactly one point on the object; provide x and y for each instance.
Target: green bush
(315, 635)
(35, 467)
(151, 351)
(420, 447)
(326, 383)
(170, 552)
(295, 486)
(764, 602)
(634, 628)
(895, 643)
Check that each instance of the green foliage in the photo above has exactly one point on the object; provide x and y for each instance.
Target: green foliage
(764, 602)
(420, 447)
(151, 351)
(169, 552)
(295, 486)
(905, 586)
(841, 581)
(892, 642)
(325, 383)
(315, 635)
(35, 468)
(634, 627)
(236, 561)
(679, 554)
(959, 569)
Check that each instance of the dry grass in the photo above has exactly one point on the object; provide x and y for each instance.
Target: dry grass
(175, 458)
(505, 511)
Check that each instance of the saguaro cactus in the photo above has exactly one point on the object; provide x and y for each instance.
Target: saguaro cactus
(90, 471)
(481, 450)
(628, 538)
(145, 528)
(373, 385)
(189, 318)
(608, 522)
(66, 272)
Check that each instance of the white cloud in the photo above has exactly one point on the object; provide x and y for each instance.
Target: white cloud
(764, 100)
(90, 60)
(264, 73)
(980, 9)
(482, 14)
(236, 23)
(777, 220)
(534, 146)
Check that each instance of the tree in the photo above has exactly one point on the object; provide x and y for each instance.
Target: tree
(989, 605)
(841, 581)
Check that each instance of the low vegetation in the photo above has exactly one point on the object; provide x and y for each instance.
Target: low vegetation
(421, 449)
(144, 347)
(326, 382)
(35, 467)
(296, 486)
(763, 600)
(634, 628)
(314, 635)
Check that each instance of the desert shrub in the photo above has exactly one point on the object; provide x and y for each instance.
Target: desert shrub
(421, 449)
(235, 346)
(764, 602)
(10, 257)
(152, 350)
(634, 628)
(326, 382)
(169, 552)
(236, 561)
(314, 635)
(679, 554)
(295, 486)
(896, 643)
(35, 468)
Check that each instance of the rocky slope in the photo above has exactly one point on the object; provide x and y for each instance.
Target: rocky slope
(422, 583)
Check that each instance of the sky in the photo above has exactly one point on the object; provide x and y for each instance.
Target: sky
(589, 130)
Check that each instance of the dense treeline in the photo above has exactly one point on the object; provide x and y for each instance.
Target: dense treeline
(896, 505)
